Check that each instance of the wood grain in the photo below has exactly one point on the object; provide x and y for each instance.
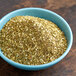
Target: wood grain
(67, 9)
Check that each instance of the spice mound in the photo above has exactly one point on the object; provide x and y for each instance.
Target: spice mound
(31, 40)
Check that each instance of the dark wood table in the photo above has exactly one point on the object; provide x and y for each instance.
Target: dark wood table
(67, 9)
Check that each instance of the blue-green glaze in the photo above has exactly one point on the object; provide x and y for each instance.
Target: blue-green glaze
(42, 13)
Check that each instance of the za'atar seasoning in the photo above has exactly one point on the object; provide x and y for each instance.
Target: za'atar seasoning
(31, 40)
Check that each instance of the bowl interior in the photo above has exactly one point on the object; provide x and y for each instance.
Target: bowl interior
(42, 13)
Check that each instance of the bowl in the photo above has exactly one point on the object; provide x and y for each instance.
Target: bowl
(42, 13)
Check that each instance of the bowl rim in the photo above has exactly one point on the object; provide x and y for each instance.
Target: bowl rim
(42, 65)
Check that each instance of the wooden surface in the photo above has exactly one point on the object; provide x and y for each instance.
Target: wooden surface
(67, 9)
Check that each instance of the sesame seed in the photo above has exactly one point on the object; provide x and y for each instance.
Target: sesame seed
(31, 40)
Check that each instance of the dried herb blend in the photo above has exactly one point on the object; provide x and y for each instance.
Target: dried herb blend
(32, 40)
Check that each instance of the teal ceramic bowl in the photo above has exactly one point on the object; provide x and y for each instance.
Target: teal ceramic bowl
(42, 13)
